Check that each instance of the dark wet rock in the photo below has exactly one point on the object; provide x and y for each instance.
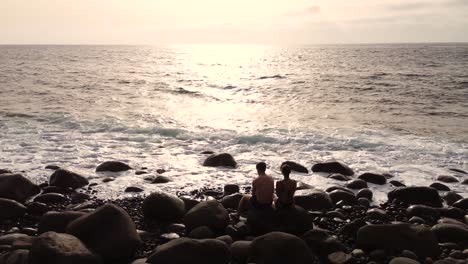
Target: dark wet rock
(449, 261)
(364, 202)
(451, 233)
(335, 214)
(49, 198)
(418, 239)
(139, 261)
(55, 189)
(17, 187)
(168, 237)
(207, 152)
(459, 171)
(445, 220)
(346, 197)
(465, 182)
(373, 178)
(201, 232)
(315, 201)
(294, 220)
(339, 177)
(57, 221)
(163, 207)
(408, 254)
(376, 213)
(378, 255)
(333, 167)
(218, 160)
(133, 189)
(5, 171)
(261, 221)
(160, 171)
(108, 231)
(452, 212)
(451, 197)
(189, 202)
(67, 179)
(334, 188)
(232, 201)
(52, 167)
(160, 179)
(108, 179)
(417, 220)
(423, 211)
(357, 184)
(190, 251)
(231, 189)
(113, 166)
(462, 204)
(440, 186)
(322, 243)
(55, 248)
(176, 228)
(295, 166)
(9, 239)
(279, 248)
(397, 183)
(365, 193)
(416, 195)
(403, 260)
(208, 213)
(36, 208)
(226, 239)
(213, 193)
(240, 251)
(140, 172)
(11, 209)
(19, 256)
(447, 178)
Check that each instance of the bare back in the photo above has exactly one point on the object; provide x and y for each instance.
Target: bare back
(285, 190)
(263, 189)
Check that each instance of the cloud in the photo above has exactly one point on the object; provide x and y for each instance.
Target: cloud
(310, 10)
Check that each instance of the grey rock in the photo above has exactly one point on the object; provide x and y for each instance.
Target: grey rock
(113, 166)
(208, 213)
(333, 167)
(163, 207)
(17, 187)
(67, 179)
(218, 160)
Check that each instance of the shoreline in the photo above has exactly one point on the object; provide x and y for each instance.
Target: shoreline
(332, 223)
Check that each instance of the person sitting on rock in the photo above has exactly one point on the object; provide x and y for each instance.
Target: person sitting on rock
(262, 191)
(285, 189)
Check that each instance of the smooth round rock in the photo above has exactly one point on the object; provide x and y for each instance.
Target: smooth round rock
(163, 207)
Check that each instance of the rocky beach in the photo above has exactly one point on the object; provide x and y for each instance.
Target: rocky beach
(64, 221)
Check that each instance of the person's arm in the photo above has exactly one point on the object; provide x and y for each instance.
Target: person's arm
(254, 187)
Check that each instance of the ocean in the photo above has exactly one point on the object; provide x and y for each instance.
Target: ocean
(398, 108)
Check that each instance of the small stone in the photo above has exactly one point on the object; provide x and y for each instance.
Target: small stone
(50, 198)
(133, 189)
(160, 171)
(108, 179)
(376, 213)
(339, 257)
(365, 193)
(440, 186)
(113, 166)
(140, 172)
(52, 167)
(160, 179)
(231, 189)
(357, 184)
(447, 179)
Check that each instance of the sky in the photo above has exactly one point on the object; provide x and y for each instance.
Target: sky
(232, 21)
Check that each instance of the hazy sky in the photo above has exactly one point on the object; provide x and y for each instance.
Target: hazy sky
(231, 21)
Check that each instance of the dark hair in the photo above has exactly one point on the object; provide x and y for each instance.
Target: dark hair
(285, 170)
(261, 166)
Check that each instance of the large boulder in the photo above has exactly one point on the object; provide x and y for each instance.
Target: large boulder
(315, 201)
(240, 251)
(108, 231)
(397, 237)
(462, 204)
(232, 201)
(11, 209)
(208, 213)
(67, 179)
(455, 233)
(113, 166)
(322, 243)
(333, 167)
(340, 195)
(18, 256)
(357, 184)
(295, 166)
(218, 160)
(189, 251)
(416, 195)
(57, 221)
(55, 248)
(17, 187)
(373, 178)
(163, 207)
(279, 248)
(451, 197)
(294, 220)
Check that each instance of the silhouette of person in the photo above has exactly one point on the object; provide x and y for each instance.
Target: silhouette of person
(285, 189)
(262, 191)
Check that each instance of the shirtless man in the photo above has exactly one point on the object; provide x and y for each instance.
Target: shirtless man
(262, 191)
(285, 189)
